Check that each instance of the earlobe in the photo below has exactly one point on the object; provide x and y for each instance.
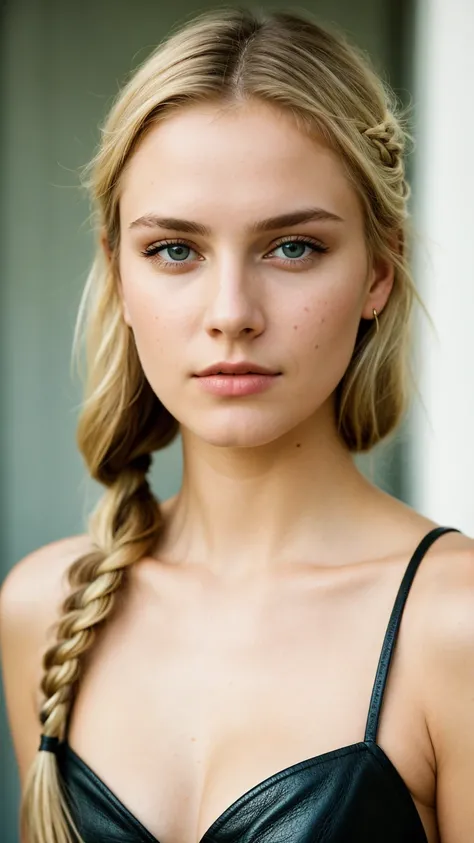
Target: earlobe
(381, 283)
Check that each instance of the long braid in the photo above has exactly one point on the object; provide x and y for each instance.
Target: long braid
(125, 526)
(95, 579)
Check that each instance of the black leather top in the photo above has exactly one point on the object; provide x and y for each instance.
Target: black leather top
(350, 795)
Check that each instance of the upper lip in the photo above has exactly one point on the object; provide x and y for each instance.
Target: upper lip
(242, 368)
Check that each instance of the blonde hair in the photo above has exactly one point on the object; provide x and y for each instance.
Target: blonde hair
(226, 56)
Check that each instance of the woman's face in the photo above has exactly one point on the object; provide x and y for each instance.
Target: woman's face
(288, 297)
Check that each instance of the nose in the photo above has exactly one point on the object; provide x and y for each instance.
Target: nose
(234, 307)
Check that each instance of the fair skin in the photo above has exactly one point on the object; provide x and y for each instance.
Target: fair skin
(249, 640)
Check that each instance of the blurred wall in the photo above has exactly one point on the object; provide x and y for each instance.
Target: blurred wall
(440, 458)
(62, 62)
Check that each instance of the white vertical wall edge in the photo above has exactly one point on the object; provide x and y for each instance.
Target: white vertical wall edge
(441, 463)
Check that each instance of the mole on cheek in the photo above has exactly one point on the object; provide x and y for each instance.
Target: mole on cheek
(295, 327)
(316, 346)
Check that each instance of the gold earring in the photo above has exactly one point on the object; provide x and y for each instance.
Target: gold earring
(376, 320)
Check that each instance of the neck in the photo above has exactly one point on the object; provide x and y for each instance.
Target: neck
(247, 510)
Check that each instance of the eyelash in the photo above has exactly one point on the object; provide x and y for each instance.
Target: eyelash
(151, 252)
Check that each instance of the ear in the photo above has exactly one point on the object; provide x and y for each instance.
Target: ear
(104, 242)
(379, 286)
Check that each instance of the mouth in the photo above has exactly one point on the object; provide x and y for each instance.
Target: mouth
(243, 368)
(237, 384)
(241, 375)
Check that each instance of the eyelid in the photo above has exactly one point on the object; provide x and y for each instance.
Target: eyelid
(306, 238)
(286, 238)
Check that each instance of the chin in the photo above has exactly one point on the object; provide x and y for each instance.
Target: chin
(242, 431)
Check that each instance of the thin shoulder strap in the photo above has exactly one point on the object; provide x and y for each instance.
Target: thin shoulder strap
(391, 634)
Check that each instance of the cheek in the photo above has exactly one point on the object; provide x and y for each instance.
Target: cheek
(156, 337)
(146, 310)
(326, 325)
(159, 349)
(324, 320)
(322, 339)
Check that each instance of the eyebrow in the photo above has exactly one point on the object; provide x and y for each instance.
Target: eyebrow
(153, 220)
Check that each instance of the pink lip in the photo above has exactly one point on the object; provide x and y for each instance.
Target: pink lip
(236, 385)
(242, 367)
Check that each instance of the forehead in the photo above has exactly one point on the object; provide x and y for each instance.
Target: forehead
(209, 160)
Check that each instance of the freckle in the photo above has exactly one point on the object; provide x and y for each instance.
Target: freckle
(307, 309)
(193, 739)
(298, 444)
(295, 327)
(323, 319)
(316, 346)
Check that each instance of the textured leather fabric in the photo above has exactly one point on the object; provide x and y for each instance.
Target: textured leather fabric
(350, 795)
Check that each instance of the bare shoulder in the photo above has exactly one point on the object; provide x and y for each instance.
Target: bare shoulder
(30, 601)
(34, 588)
(444, 645)
(444, 631)
(447, 587)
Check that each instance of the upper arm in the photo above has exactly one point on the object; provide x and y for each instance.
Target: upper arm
(450, 698)
(30, 600)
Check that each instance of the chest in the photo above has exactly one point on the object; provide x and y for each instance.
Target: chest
(187, 703)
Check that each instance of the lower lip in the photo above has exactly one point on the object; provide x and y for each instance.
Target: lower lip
(236, 385)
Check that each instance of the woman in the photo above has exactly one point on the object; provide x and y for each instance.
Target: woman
(209, 661)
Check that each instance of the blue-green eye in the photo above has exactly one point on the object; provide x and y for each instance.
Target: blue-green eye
(176, 248)
(180, 249)
(296, 249)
